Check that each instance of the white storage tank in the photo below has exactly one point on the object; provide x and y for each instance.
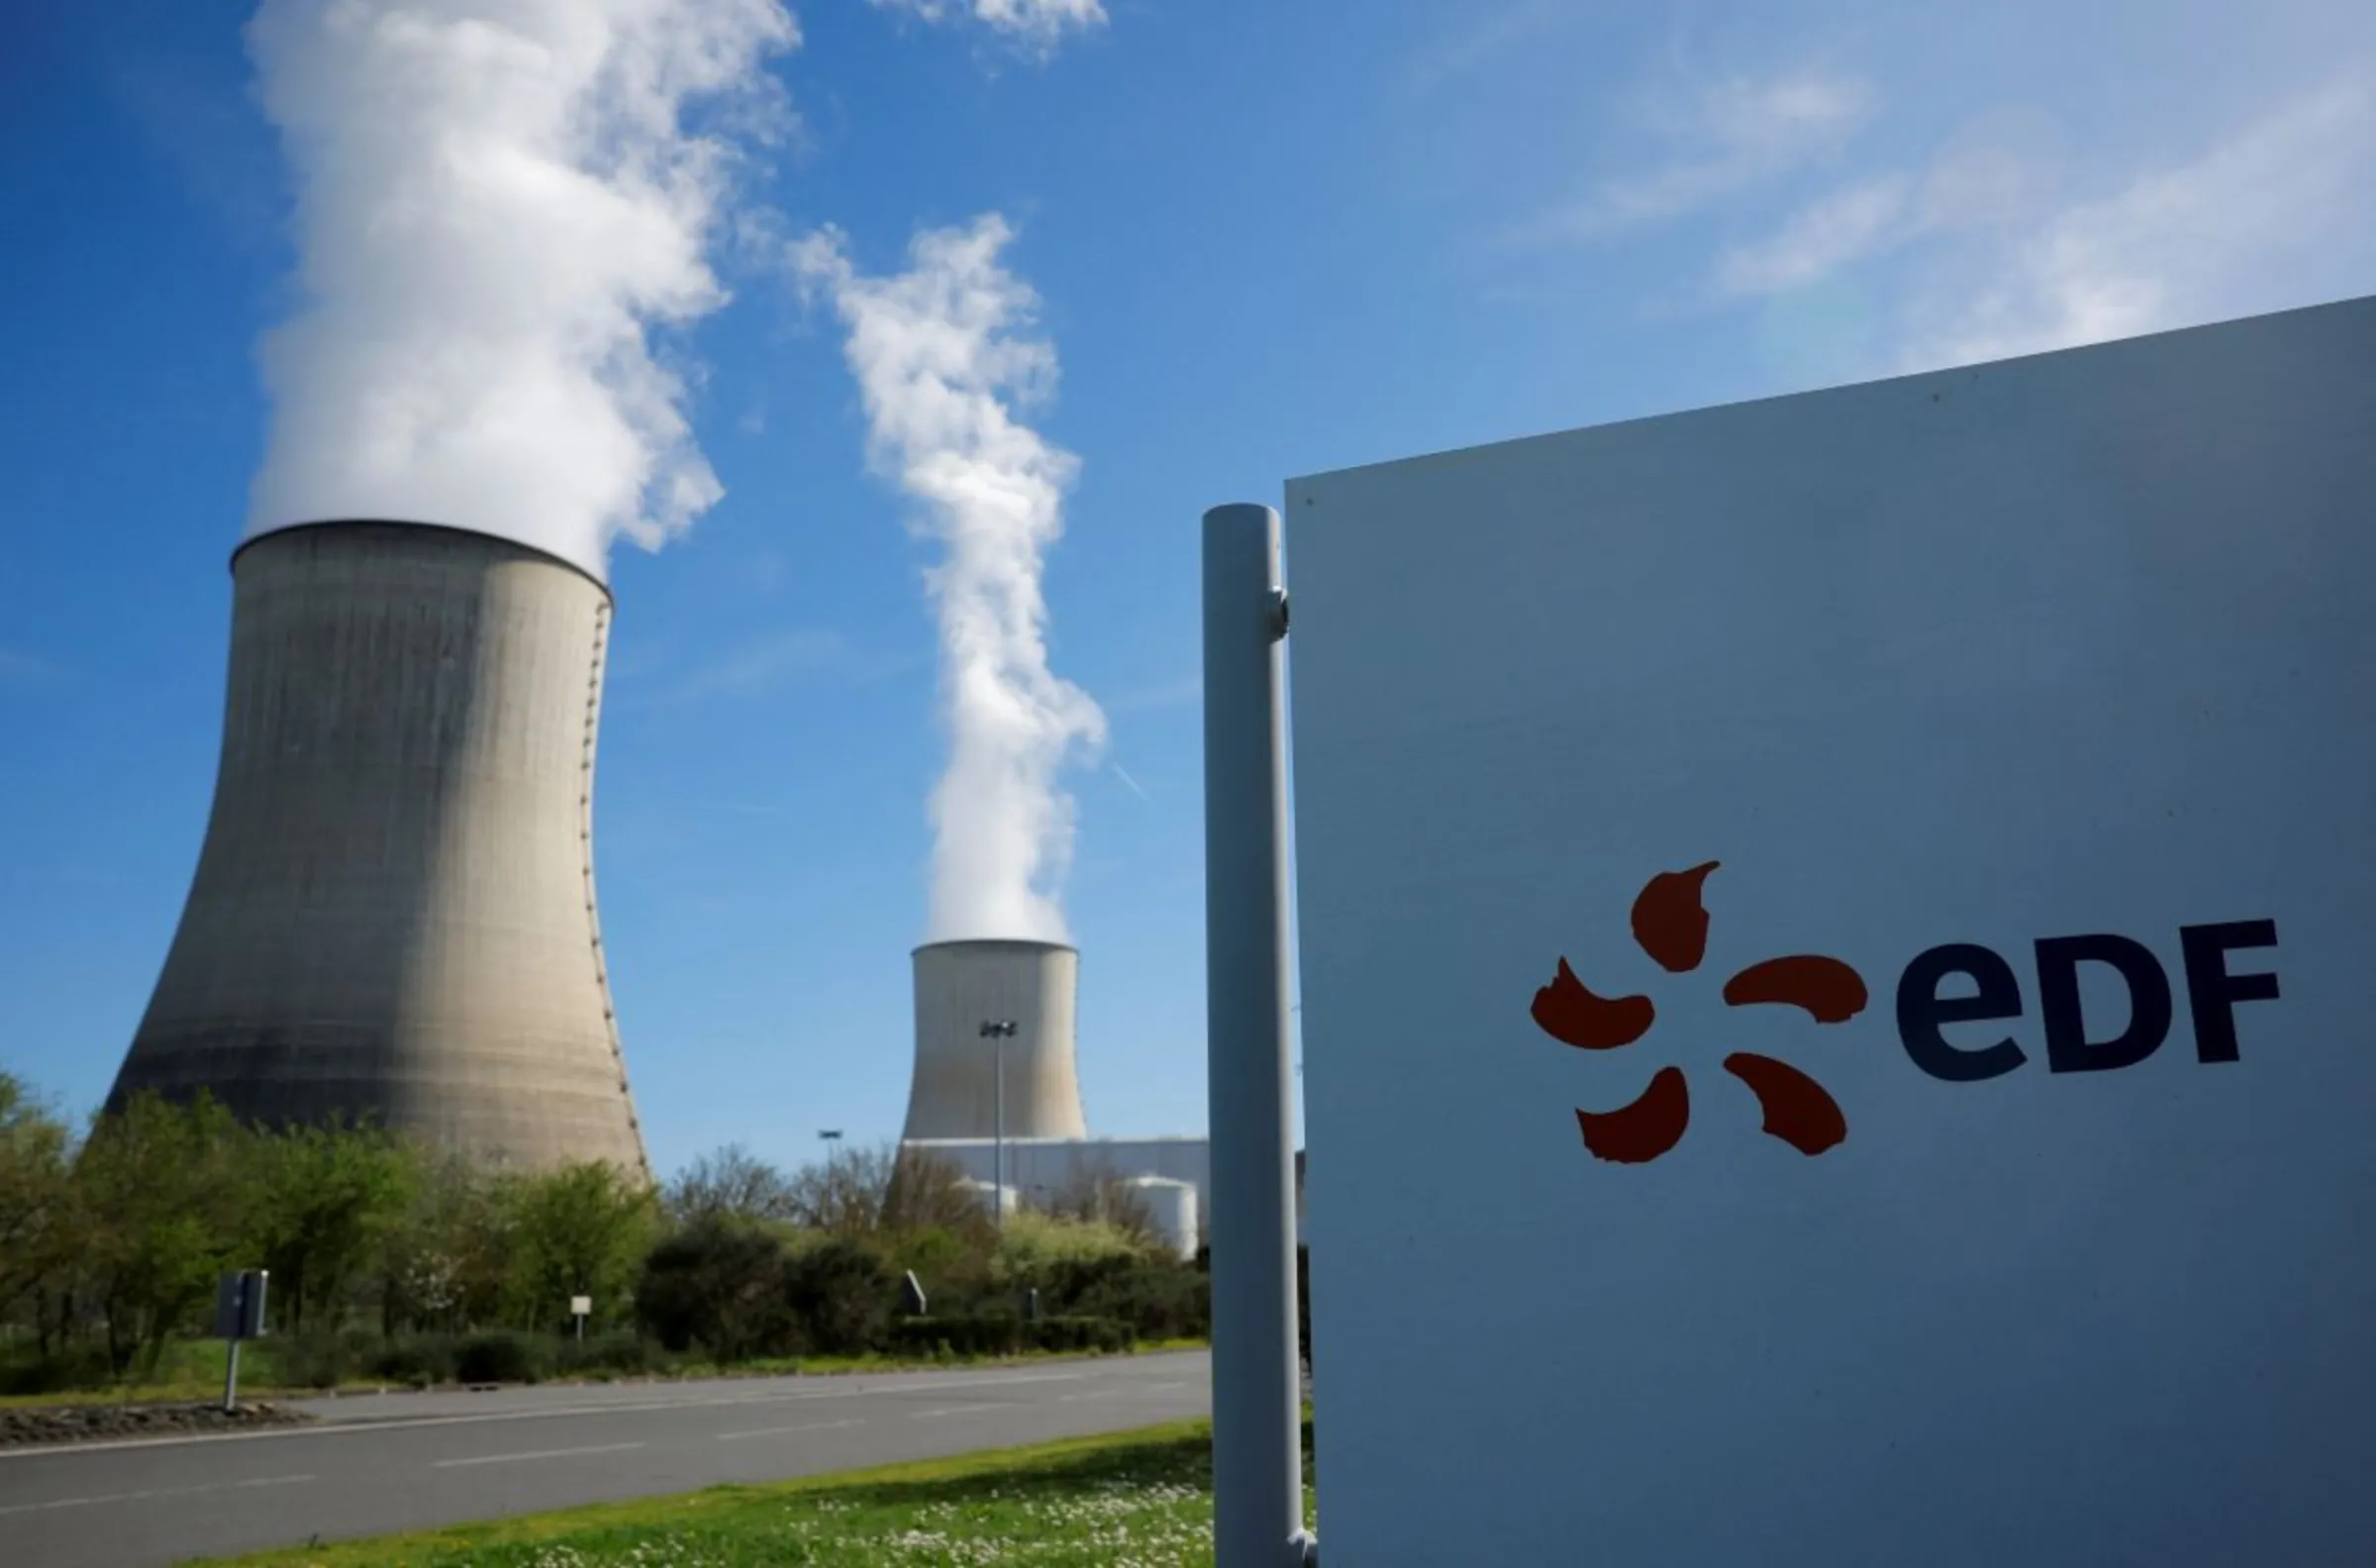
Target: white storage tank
(995, 1200)
(1171, 1207)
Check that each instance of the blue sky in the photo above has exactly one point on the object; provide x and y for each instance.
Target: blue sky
(1265, 241)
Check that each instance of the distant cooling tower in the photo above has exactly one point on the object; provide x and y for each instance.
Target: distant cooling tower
(393, 915)
(960, 986)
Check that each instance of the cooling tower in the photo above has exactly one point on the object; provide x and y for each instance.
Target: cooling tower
(393, 915)
(959, 987)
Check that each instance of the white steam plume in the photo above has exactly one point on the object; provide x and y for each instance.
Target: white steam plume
(941, 367)
(495, 200)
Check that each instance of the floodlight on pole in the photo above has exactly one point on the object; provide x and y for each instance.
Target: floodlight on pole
(998, 1031)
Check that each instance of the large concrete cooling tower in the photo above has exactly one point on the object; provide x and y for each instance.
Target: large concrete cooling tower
(393, 915)
(960, 986)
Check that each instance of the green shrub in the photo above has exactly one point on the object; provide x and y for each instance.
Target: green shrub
(503, 1357)
(1158, 1300)
(78, 1366)
(841, 1294)
(620, 1351)
(721, 1284)
(311, 1358)
(972, 1334)
(1003, 1333)
(1079, 1334)
(416, 1361)
(1036, 1249)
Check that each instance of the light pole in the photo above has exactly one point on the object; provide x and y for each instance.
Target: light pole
(829, 1203)
(999, 1032)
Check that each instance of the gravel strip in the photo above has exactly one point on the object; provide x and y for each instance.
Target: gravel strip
(67, 1424)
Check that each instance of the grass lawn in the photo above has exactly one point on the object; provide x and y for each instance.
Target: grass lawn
(1130, 1500)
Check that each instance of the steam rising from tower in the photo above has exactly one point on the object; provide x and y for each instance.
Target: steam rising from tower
(938, 361)
(495, 199)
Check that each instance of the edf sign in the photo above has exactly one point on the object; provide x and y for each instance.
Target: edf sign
(1929, 999)
(1854, 911)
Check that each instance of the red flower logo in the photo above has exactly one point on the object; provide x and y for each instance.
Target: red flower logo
(1671, 924)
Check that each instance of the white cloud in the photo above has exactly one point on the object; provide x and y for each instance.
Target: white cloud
(2274, 216)
(943, 365)
(1828, 234)
(1040, 22)
(1726, 136)
(496, 201)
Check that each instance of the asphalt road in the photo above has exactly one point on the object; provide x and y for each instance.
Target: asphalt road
(408, 1461)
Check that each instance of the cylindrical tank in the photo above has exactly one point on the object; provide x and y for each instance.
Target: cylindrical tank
(996, 1200)
(963, 989)
(1170, 1208)
(393, 914)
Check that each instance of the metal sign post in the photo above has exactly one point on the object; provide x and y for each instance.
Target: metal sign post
(579, 1308)
(239, 1315)
(1257, 1403)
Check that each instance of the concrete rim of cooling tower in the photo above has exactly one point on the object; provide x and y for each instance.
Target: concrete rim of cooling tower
(409, 525)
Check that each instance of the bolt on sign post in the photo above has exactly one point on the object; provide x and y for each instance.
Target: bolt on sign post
(580, 1307)
(1864, 900)
(238, 1316)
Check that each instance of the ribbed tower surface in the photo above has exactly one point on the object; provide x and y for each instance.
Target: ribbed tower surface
(393, 916)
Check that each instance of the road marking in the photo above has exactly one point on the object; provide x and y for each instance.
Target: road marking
(542, 1453)
(1075, 1399)
(152, 1492)
(625, 1406)
(955, 1410)
(778, 1432)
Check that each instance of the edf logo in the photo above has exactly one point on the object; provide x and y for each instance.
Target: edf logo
(1994, 994)
(1955, 983)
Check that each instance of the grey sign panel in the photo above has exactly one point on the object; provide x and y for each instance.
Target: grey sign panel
(1972, 1167)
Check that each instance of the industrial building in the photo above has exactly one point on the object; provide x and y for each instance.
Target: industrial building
(393, 916)
(987, 1009)
(1041, 1173)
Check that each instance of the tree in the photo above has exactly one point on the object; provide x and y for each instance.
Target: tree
(446, 1261)
(841, 1196)
(161, 1203)
(581, 1229)
(323, 1197)
(732, 1184)
(924, 1191)
(36, 1196)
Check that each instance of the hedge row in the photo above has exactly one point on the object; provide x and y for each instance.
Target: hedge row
(988, 1333)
